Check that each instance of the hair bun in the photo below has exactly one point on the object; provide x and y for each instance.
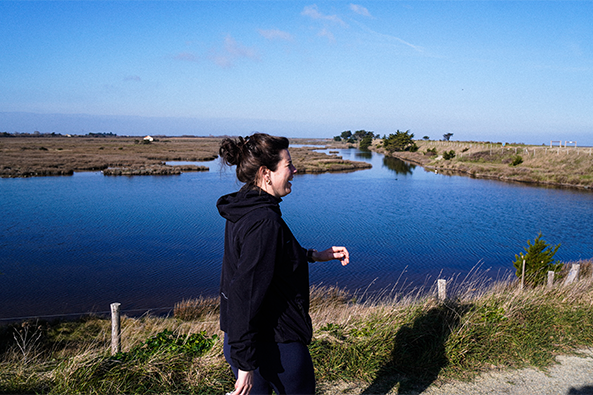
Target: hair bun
(231, 151)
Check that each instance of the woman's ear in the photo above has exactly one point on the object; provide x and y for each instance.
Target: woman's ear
(263, 175)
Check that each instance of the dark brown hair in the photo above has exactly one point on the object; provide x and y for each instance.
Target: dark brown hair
(251, 153)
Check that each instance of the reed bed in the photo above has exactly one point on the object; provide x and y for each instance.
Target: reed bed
(391, 342)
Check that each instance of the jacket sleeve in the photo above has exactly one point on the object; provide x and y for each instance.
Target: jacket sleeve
(248, 288)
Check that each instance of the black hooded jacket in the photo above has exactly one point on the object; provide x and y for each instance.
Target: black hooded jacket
(264, 283)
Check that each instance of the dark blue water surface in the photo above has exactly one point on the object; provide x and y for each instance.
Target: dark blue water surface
(76, 244)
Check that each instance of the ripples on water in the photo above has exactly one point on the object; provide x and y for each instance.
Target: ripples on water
(76, 244)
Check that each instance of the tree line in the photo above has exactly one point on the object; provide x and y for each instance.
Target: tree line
(398, 141)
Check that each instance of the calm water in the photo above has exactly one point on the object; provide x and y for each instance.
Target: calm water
(76, 244)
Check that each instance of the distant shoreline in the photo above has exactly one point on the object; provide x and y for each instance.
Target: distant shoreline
(566, 167)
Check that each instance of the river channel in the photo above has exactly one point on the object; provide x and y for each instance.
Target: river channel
(71, 245)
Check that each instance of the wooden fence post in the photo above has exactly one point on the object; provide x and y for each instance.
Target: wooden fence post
(523, 276)
(573, 275)
(115, 328)
(442, 287)
(550, 278)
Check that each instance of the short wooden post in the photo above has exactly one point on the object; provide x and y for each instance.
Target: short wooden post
(115, 328)
(573, 275)
(523, 276)
(550, 278)
(442, 287)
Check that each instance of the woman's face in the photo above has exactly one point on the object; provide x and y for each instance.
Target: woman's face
(277, 183)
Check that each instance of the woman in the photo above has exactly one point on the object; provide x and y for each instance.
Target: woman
(264, 291)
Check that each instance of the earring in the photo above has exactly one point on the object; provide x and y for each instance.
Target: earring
(269, 182)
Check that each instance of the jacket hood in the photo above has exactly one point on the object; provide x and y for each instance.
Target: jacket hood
(235, 205)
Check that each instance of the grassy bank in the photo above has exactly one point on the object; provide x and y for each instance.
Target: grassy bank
(361, 345)
(542, 165)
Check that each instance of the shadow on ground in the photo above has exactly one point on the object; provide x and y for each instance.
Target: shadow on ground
(419, 351)
(586, 390)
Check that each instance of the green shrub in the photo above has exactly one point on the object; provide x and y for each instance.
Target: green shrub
(448, 155)
(517, 160)
(400, 141)
(539, 259)
(431, 151)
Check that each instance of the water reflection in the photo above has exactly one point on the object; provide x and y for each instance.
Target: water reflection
(364, 154)
(398, 165)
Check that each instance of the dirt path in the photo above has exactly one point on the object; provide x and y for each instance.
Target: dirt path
(573, 375)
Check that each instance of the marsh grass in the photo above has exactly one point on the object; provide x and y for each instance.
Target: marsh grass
(391, 341)
(539, 164)
(53, 156)
(45, 156)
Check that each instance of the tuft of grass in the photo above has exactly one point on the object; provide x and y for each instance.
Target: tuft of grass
(197, 309)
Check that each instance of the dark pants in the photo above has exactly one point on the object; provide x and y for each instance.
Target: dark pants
(286, 368)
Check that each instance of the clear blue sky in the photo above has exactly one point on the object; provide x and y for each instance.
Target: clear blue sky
(491, 71)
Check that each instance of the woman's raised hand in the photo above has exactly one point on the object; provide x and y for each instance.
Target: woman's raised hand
(339, 253)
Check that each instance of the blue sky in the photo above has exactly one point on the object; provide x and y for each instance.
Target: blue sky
(490, 71)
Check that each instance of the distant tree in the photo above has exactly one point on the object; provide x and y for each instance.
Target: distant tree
(539, 259)
(337, 138)
(425, 138)
(447, 136)
(361, 134)
(400, 141)
(346, 134)
(105, 134)
(366, 142)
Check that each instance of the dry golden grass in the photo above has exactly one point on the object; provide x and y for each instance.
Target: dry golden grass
(564, 167)
(39, 156)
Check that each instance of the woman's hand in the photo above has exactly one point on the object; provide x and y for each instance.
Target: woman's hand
(340, 253)
(244, 383)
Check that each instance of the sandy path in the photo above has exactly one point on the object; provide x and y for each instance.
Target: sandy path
(573, 375)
